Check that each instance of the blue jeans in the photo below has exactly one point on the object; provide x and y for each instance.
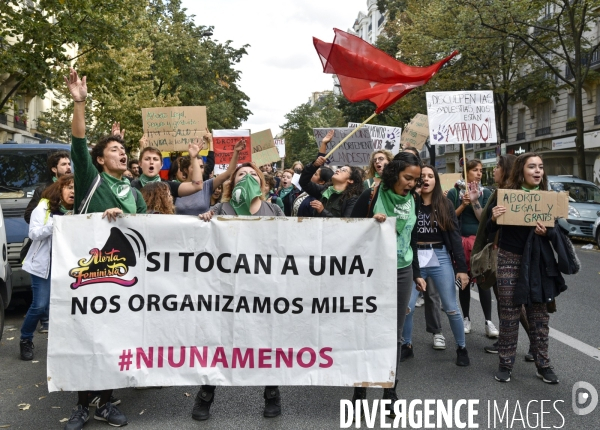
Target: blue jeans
(40, 288)
(443, 278)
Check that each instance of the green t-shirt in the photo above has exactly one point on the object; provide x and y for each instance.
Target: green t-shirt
(468, 221)
(104, 198)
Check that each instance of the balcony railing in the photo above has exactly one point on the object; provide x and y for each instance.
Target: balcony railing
(571, 125)
(521, 136)
(3, 119)
(543, 131)
(20, 124)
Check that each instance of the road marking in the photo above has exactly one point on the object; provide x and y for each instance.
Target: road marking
(564, 338)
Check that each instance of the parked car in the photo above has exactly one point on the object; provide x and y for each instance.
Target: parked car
(584, 204)
(5, 279)
(23, 167)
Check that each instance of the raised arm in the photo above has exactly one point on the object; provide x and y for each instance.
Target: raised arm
(78, 89)
(239, 147)
(187, 188)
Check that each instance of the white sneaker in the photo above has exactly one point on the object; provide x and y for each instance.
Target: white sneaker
(439, 341)
(467, 323)
(490, 329)
(420, 302)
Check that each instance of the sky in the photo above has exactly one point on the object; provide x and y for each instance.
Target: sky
(282, 68)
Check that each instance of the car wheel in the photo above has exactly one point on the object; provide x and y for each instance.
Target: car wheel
(1, 316)
(598, 237)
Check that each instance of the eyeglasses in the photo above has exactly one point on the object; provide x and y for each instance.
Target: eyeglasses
(379, 159)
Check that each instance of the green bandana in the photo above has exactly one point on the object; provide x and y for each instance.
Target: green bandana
(285, 191)
(401, 207)
(329, 191)
(65, 211)
(246, 190)
(528, 190)
(54, 179)
(122, 190)
(146, 179)
(377, 175)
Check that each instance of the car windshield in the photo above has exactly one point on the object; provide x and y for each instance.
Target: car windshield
(578, 193)
(22, 171)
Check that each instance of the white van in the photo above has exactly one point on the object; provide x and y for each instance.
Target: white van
(5, 274)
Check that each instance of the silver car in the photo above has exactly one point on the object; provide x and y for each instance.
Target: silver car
(584, 204)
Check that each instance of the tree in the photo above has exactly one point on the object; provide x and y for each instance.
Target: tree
(298, 130)
(558, 33)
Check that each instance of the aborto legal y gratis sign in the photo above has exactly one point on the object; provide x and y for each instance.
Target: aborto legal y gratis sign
(356, 151)
(174, 128)
(527, 208)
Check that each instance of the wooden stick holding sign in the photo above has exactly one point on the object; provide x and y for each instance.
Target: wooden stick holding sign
(335, 148)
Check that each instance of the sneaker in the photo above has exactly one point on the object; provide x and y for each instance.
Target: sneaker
(390, 393)
(493, 349)
(490, 329)
(420, 301)
(529, 356)
(79, 417)
(547, 375)
(204, 400)
(406, 352)
(111, 415)
(467, 323)
(94, 399)
(26, 346)
(272, 403)
(439, 341)
(503, 375)
(43, 328)
(462, 357)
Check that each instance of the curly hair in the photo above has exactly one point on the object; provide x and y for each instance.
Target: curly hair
(98, 149)
(158, 198)
(54, 192)
(227, 190)
(401, 161)
(356, 187)
(371, 169)
(54, 158)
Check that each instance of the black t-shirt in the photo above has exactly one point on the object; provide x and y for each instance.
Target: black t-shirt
(427, 229)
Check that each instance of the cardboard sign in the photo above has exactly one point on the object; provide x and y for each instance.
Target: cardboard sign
(356, 151)
(262, 141)
(326, 309)
(280, 145)
(527, 208)
(225, 140)
(268, 156)
(174, 128)
(415, 134)
(383, 137)
(461, 117)
(447, 180)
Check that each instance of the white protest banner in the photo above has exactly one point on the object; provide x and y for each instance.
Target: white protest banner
(280, 145)
(162, 300)
(174, 128)
(383, 137)
(461, 117)
(356, 151)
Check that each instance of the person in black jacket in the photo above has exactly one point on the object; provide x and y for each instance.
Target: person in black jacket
(336, 200)
(288, 192)
(59, 163)
(439, 245)
(527, 174)
(394, 198)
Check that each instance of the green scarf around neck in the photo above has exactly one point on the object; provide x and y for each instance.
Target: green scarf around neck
(246, 190)
(146, 179)
(329, 191)
(285, 191)
(65, 211)
(122, 190)
(528, 190)
(403, 208)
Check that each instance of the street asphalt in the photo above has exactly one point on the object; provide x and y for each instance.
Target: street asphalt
(430, 375)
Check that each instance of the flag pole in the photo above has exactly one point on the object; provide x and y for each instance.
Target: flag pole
(335, 148)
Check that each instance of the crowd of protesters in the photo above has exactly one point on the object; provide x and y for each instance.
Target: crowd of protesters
(436, 231)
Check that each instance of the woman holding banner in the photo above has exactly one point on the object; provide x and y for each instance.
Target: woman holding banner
(394, 198)
(379, 159)
(245, 197)
(441, 258)
(469, 204)
(527, 174)
(336, 200)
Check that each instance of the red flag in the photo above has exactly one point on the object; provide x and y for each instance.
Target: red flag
(367, 73)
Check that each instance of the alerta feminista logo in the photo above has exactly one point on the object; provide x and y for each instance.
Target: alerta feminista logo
(111, 263)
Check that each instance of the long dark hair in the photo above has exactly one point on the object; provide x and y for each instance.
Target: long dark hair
(356, 188)
(516, 178)
(54, 192)
(506, 163)
(401, 161)
(440, 204)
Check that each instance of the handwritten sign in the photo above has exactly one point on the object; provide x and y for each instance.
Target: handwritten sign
(268, 156)
(461, 117)
(356, 151)
(447, 180)
(383, 137)
(174, 128)
(262, 141)
(527, 208)
(280, 145)
(415, 134)
(224, 141)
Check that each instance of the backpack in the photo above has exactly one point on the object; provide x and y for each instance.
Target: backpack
(85, 203)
